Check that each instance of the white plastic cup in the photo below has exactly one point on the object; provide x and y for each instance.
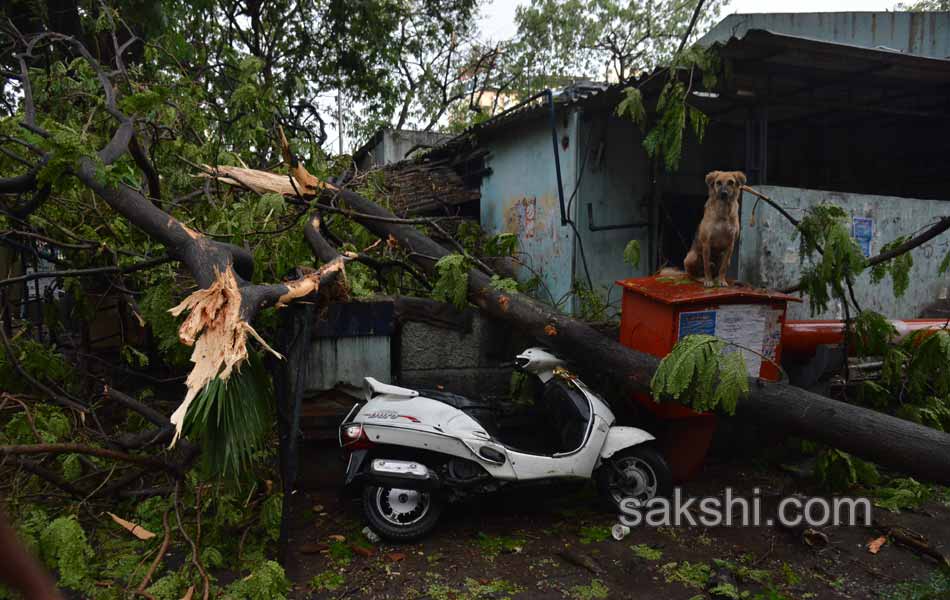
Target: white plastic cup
(619, 531)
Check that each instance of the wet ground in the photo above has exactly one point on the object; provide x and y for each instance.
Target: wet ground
(554, 543)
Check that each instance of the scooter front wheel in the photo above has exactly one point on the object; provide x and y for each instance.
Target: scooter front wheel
(640, 472)
(401, 515)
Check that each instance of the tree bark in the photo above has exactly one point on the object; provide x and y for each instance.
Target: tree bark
(888, 441)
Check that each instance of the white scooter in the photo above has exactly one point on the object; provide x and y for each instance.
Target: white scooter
(410, 451)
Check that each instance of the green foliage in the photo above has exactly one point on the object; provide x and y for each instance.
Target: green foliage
(231, 418)
(50, 422)
(66, 147)
(503, 244)
(64, 547)
(72, 467)
(631, 253)
(340, 553)
(693, 575)
(665, 140)
(632, 107)
(839, 471)
(744, 573)
(270, 515)
(452, 283)
(929, 369)
(936, 585)
(328, 581)
(944, 264)
(597, 589)
(592, 305)
(40, 361)
(902, 493)
(841, 259)
(873, 334)
(154, 307)
(504, 284)
(899, 267)
(594, 533)
(699, 373)
(266, 582)
(674, 115)
(493, 545)
(647, 552)
(171, 586)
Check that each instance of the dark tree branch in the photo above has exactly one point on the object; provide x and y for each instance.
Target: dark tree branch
(151, 175)
(69, 448)
(148, 264)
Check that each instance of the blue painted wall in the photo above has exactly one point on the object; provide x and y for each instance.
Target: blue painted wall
(616, 184)
(520, 196)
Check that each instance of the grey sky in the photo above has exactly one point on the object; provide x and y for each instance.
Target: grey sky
(498, 16)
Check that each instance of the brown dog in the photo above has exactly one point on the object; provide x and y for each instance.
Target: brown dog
(716, 237)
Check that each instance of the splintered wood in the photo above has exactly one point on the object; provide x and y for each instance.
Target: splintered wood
(264, 182)
(219, 336)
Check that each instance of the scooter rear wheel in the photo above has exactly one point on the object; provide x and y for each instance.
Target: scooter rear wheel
(640, 472)
(401, 515)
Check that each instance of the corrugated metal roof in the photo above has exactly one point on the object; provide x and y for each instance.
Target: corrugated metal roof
(924, 34)
(777, 51)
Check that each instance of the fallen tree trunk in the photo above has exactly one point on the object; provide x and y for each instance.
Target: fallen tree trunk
(888, 441)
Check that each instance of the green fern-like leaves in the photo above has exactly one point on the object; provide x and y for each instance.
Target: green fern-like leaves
(632, 107)
(873, 334)
(64, 546)
(898, 267)
(266, 582)
(700, 374)
(841, 260)
(452, 283)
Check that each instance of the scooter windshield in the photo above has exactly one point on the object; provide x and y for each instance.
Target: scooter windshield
(569, 412)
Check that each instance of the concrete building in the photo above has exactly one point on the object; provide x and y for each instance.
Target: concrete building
(847, 108)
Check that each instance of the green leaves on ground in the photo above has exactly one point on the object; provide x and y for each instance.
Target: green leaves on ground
(266, 582)
(700, 374)
(838, 471)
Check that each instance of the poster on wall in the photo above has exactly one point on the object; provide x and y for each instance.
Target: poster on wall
(746, 326)
(862, 229)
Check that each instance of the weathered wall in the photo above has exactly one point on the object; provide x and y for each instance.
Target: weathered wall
(520, 196)
(347, 360)
(615, 183)
(769, 250)
(393, 146)
(468, 363)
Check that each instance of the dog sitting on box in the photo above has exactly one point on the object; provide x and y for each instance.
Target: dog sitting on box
(716, 236)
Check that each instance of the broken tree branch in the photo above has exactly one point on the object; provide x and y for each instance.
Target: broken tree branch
(70, 448)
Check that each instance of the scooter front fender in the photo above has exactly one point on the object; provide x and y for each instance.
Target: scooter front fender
(620, 438)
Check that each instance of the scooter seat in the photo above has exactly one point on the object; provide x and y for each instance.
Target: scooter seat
(480, 410)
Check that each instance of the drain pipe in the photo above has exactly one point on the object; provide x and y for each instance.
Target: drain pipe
(557, 154)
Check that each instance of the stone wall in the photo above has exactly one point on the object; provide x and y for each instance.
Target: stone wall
(475, 363)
